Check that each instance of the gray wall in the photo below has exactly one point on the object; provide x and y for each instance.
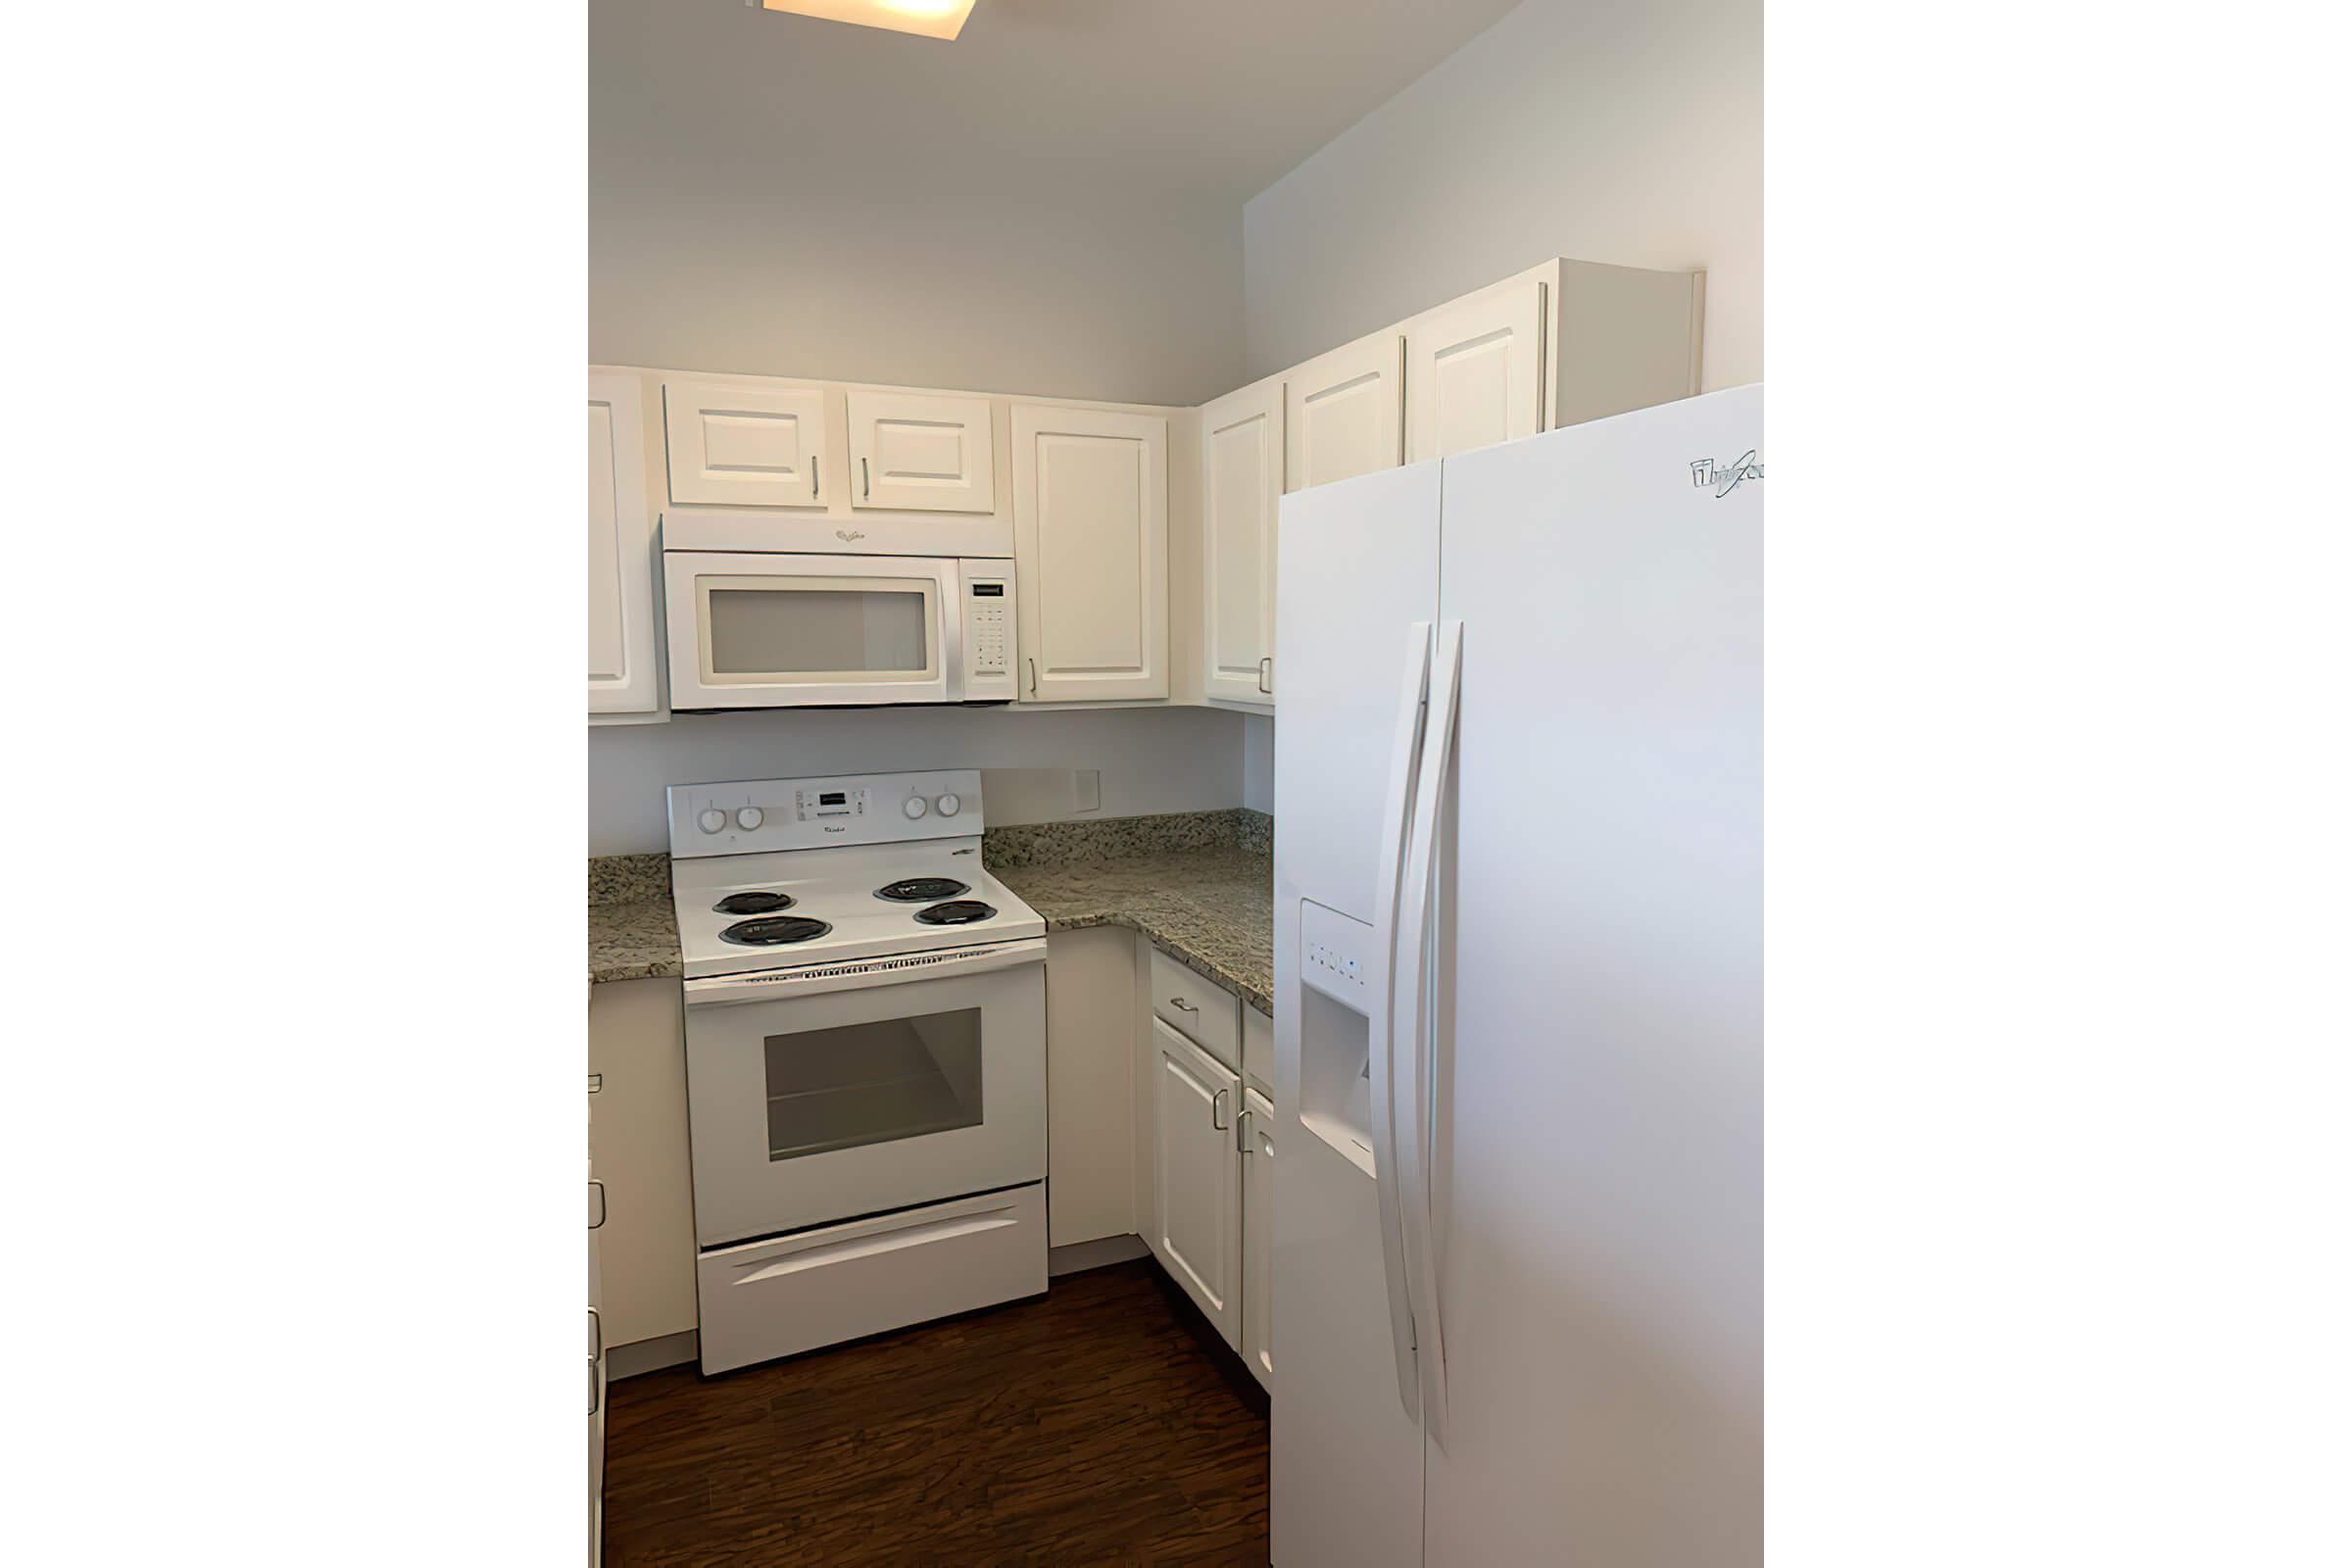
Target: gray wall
(727, 234)
(1609, 130)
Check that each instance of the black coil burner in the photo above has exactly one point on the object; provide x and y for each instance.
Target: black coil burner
(957, 911)
(923, 890)
(752, 903)
(779, 930)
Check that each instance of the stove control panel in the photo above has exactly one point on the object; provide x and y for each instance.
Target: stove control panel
(755, 815)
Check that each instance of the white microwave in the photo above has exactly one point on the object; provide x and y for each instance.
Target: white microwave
(768, 629)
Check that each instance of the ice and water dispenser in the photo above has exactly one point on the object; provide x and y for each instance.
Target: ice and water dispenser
(1338, 960)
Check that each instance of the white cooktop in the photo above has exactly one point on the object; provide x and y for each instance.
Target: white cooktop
(838, 887)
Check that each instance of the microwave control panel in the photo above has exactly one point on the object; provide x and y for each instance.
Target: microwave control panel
(987, 632)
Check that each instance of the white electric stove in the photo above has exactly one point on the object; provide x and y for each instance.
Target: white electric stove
(865, 1060)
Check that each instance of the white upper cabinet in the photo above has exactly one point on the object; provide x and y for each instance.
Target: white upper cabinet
(1474, 370)
(1240, 496)
(1344, 411)
(732, 444)
(1090, 503)
(921, 452)
(621, 645)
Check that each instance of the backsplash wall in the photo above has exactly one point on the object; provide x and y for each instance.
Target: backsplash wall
(1150, 759)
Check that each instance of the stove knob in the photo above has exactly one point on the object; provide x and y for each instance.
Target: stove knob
(712, 819)
(948, 806)
(915, 806)
(749, 817)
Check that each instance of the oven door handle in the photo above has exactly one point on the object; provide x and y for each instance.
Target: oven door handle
(855, 974)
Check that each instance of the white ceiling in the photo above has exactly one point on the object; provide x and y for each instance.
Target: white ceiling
(1203, 99)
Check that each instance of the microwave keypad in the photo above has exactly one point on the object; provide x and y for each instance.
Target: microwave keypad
(987, 629)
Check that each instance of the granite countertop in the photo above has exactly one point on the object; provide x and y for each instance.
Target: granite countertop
(632, 928)
(1198, 884)
(1211, 909)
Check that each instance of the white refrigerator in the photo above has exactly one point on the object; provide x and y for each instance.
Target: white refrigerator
(1518, 1217)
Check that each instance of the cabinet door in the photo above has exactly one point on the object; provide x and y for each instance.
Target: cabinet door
(1196, 1212)
(1344, 414)
(737, 445)
(621, 648)
(919, 452)
(637, 1049)
(1089, 509)
(1474, 372)
(1257, 1236)
(1241, 496)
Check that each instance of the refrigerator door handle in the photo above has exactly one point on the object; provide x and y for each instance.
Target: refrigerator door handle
(1414, 1005)
(1396, 820)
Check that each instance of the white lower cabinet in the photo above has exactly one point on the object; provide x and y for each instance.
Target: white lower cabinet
(637, 1139)
(1089, 1025)
(1257, 1236)
(1196, 1201)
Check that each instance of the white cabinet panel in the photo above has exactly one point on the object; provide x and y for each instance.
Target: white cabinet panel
(1343, 413)
(737, 445)
(1197, 1220)
(1241, 496)
(1257, 1236)
(1090, 500)
(1090, 1046)
(637, 1050)
(1475, 373)
(921, 452)
(1257, 1050)
(1198, 1008)
(622, 652)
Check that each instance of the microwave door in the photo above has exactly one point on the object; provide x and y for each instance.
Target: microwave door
(758, 631)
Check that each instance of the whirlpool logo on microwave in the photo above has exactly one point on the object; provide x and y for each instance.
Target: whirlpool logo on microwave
(1725, 477)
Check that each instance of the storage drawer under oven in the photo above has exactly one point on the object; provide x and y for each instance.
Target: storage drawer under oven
(789, 1293)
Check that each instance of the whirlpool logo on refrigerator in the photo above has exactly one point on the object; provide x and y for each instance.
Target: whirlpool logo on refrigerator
(1725, 477)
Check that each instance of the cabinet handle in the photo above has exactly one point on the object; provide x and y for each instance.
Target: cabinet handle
(1182, 1005)
(865, 472)
(596, 1083)
(598, 1188)
(1240, 1132)
(1031, 676)
(813, 477)
(1217, 1111)
(596, 1324)
(1266, 675)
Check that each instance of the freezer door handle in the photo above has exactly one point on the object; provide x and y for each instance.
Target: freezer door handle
(1396, 820)
(1417, 994)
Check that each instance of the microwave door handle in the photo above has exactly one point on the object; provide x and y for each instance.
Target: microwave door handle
(1396, 820)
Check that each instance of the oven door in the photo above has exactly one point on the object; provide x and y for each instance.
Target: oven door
(850, 1089)
(750, 630)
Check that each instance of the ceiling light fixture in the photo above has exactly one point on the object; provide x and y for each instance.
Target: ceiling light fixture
(927, 18)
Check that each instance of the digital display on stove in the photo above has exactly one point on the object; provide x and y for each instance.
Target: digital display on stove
(833, 798)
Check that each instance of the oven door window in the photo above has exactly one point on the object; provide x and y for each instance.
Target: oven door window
(872, 1083)
(818, 630)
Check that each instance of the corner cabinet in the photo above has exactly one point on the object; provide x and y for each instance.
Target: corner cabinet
(1241, 500)
(1196, 1229)
(623, 648)
(1090, 524)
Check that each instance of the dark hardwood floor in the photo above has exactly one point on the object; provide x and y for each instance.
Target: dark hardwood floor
(1097, 1424)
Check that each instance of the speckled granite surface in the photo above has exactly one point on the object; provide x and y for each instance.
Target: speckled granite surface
(1210, 908)
(632, 930)
(1101, 837)
(1199, 884)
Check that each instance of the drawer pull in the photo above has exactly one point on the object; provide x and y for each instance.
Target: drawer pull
(1182, 1005)
(1217, 1111)
(938, 1230)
